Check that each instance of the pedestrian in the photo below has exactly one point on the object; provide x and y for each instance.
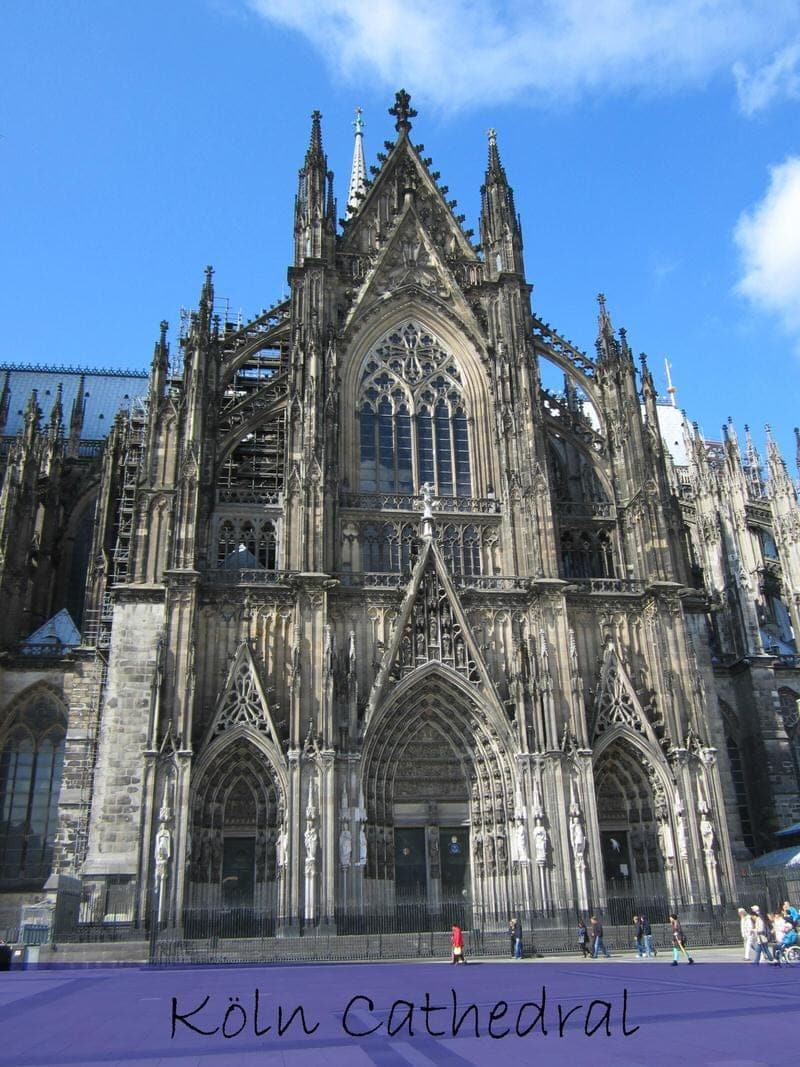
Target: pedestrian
(513, 928)
(678, 941)
(747, 932)
(5, 955)
(457, 941)
(780, 928)
(515, 931)
(583, 939)
(638, 935)
(761, 936)
(790, 913)
(647, 933)
(597, 938)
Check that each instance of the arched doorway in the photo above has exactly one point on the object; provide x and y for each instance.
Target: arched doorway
(236, 817)
(631, 806)
(439, 795)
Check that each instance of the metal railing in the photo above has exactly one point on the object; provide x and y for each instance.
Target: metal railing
(608, 585)
(468, 505)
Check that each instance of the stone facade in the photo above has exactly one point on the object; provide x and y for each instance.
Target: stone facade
(371, 614)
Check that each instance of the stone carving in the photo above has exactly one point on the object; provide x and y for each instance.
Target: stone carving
(311, 840)
(540, 844)
(708, 835)
(521, 837)
(281, 848)
(345, 847)
(577, 838)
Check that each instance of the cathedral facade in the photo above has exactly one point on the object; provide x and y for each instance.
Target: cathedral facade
(372, 615)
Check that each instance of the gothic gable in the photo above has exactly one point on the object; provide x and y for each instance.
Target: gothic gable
(402, 178)
(616, 702)
(412, 264)
(243, 701)
(431, 628)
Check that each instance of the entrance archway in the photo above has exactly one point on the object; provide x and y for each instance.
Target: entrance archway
(236, 816)
(439, 795)
(628, 808)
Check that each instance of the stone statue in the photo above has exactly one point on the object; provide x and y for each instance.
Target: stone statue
(362, 846)
(281, 848)
(345, 846)
(683, 843)
(665, 842)
(427, 500)
(540, 843)
(522, 842)
(163, 851)
(578, 838)
(707, 834)
(311, 839)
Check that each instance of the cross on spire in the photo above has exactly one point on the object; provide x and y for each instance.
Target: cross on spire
(402, 111)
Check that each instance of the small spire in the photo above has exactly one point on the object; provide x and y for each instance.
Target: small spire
(671, 390)
(402, 111)
(56, 414)
(358, 172)
(5, 400)
(207, 292)
(77, 414)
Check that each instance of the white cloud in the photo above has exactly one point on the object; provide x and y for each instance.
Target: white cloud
(458, 53)
(768, 238)
(776, 80)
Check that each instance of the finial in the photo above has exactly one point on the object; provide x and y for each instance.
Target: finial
(358, 122)
(358, 172)
(163, 327)
(315, 143)
(494, 166)
(402, 111)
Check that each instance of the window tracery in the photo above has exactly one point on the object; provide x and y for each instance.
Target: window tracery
(246, 543)
(413, 418)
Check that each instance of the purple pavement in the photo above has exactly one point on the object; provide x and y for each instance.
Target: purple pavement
(716, 1014)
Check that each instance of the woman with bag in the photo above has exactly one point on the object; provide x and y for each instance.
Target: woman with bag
(678, 941)
(583, 939)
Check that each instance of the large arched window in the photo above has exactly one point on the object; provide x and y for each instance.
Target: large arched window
(31, 759)
(413, 418)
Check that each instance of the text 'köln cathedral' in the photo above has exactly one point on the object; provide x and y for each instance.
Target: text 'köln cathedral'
(343, 607)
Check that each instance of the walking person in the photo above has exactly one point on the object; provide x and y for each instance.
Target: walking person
(515, 929)
(647, 934)
(748, 934)
(457, 941)
(638, 935)
(598, 945)
(761, 936)
(678, 941)
(583, 939)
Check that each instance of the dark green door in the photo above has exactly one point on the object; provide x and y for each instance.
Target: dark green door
(238, 863)
(411, 869)
(454, 853)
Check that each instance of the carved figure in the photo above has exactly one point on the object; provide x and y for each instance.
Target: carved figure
(522, 842)
(578, 838)
(281, 848)
(163, 851)
(707, 834)
(311, 839)
(362, 846)
(345, 846)
(427, 500)
(540, 843)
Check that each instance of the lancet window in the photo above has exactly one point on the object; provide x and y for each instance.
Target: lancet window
(31, 759)
(587, 554)
(413, 419)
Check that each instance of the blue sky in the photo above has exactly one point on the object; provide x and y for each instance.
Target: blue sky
(653, 147)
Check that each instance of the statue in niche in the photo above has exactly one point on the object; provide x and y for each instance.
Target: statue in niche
(362, 846)
(540, 843)
(311, 840)
(665, 843)
(522, 842)
(707, 834)
(345, 846)
(683, 841)
(163, 852)
(282, 848)
(500, 848)
(578, 838)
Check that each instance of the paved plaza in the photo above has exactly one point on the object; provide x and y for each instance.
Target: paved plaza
(624, 1011)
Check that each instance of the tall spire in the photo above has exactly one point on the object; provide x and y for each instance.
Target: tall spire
(358, 174)
(314, 211)
(494, 167)
(315, 152)
(671, 390)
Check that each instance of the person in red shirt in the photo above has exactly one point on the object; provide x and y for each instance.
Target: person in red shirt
(457, 940)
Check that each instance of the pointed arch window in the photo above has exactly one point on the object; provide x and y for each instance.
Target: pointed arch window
(31, 760)
(414, 426)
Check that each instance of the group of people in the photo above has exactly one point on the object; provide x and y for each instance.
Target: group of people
(769, 937)
(592, 945)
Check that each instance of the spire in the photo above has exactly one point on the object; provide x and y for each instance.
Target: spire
(56, 414)
(755, 480)
(402, 111)
(607, 345)
(671, 390)
(501, 235)
(77, 413)
(358, 173)
(314, 211)
(797, 448)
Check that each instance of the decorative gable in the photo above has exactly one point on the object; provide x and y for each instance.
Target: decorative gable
(243, 701)
(616, 702)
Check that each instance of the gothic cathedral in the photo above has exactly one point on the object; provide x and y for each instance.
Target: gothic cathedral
(373, 615)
